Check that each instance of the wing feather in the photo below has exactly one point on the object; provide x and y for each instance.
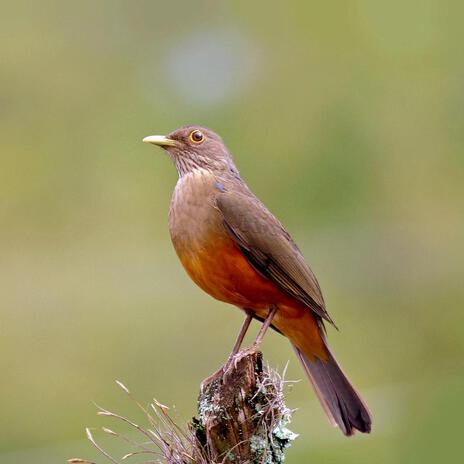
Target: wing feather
(270, 249)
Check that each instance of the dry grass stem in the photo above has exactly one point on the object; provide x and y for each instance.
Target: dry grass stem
(242, 418)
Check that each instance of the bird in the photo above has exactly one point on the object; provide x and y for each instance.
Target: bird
(238, 252)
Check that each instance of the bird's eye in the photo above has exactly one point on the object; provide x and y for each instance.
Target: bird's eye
(197, 136)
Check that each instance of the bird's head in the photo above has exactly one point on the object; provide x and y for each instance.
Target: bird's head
(194, 147)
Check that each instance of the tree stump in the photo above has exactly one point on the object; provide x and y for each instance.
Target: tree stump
(242, 415)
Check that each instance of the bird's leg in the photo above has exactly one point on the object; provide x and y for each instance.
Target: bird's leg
(255, 346)
(237, 345)
(242, 333)
(267, 322)
(238, 342)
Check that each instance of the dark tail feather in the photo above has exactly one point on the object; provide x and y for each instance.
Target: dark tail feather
(341, 402)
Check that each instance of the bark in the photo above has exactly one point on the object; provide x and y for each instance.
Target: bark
(242, 415)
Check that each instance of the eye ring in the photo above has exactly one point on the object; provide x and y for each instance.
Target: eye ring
(196, 136)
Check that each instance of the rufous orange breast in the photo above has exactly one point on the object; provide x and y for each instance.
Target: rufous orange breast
(216, 263)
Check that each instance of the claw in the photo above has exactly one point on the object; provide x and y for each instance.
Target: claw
(231, 362)
(246, 352)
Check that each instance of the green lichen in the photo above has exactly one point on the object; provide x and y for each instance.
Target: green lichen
(282, 433)
(206, 407)
(271, 437)
(272, 451)
(259, 450)
(258, 444)
(282, 437)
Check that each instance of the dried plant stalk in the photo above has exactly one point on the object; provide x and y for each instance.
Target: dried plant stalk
(242, 419)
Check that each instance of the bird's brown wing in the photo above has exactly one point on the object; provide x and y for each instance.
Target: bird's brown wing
(270, 249)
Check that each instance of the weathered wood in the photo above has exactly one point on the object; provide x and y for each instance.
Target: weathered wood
(242, 415)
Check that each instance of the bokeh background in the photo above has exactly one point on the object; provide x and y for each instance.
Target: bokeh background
(346, 118)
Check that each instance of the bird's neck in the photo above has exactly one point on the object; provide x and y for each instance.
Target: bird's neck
(187, 167)
(223, 168)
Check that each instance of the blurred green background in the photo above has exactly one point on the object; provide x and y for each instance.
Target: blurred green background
(346, 118)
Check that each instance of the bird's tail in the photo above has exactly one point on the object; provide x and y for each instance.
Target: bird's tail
(340, 400)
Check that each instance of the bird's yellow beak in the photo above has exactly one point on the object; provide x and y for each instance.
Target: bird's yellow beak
(160, 140)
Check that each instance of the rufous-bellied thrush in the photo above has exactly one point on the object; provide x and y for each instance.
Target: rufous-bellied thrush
(238, 252)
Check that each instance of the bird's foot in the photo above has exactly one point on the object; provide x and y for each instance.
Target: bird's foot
(231, 363)
(235, 359)
(218, 375)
